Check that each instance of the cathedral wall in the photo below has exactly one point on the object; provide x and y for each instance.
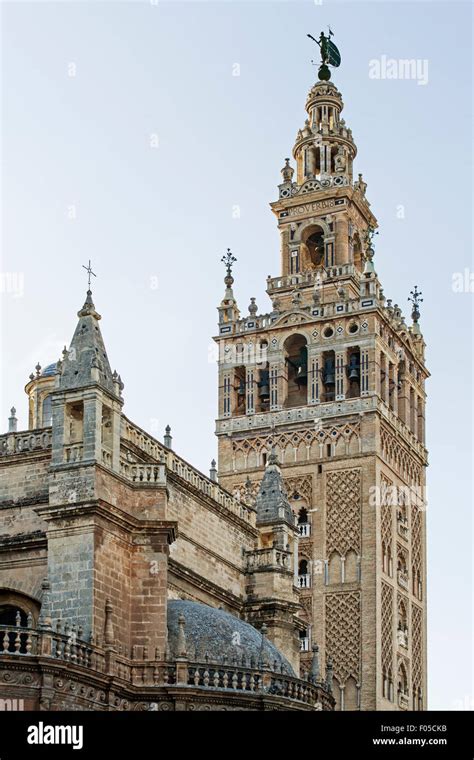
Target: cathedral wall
(22, 570)
(23, 484)
(135, 501)
(210, 545)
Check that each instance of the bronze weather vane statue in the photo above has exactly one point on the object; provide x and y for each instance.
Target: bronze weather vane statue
(330, 55)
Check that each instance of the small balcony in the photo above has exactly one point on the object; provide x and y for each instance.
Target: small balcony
(304, 581)
(304, 644)
(304, 529)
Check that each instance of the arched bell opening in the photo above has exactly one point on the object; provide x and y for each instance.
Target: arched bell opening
(329, 376)
(312, 247)
(263, 388)
(296, 357)
(312, 162)
(357, 251)
(353, 373)
(239, 391)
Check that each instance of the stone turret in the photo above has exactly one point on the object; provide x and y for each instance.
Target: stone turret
(86, 400)
(272, 595)
(86, 362)
(273, 507)
(228, 309)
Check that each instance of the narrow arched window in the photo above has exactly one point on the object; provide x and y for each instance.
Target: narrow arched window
(46, 412)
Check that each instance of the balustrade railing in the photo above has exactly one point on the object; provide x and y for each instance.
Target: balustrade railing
(63, 643)
(29, 440)
(150, 474)
(17, 640)
(304, 529)
(270, 557)
(304, 581)
(304, 644)
(309, 278)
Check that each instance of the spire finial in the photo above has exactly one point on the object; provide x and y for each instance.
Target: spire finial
(89, 271)
(287, 171)
(415, 298)
(168, 438)
(229, 260)
(12, 421)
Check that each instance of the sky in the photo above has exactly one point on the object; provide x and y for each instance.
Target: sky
(149, 136)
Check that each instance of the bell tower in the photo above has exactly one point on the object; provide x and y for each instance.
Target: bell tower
(331, 380)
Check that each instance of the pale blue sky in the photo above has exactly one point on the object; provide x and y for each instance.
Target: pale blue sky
(165, 69)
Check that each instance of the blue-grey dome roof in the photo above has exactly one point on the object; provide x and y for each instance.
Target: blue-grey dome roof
(49, 370)
(217, 634)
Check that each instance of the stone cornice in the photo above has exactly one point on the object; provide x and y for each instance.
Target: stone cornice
(24, 542)
(108, 513)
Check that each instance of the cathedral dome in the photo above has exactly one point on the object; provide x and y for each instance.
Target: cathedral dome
(50, 369)
(217, 634)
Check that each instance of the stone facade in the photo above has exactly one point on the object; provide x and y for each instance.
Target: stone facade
(311, 536)
(104, 529)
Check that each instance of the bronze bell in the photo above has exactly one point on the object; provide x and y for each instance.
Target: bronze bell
(241, 388)
(263, 386)
(302, 368)
(328, 374)
(353, 368)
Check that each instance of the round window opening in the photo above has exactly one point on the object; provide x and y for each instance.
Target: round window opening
(328, 332)
(353, 328)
